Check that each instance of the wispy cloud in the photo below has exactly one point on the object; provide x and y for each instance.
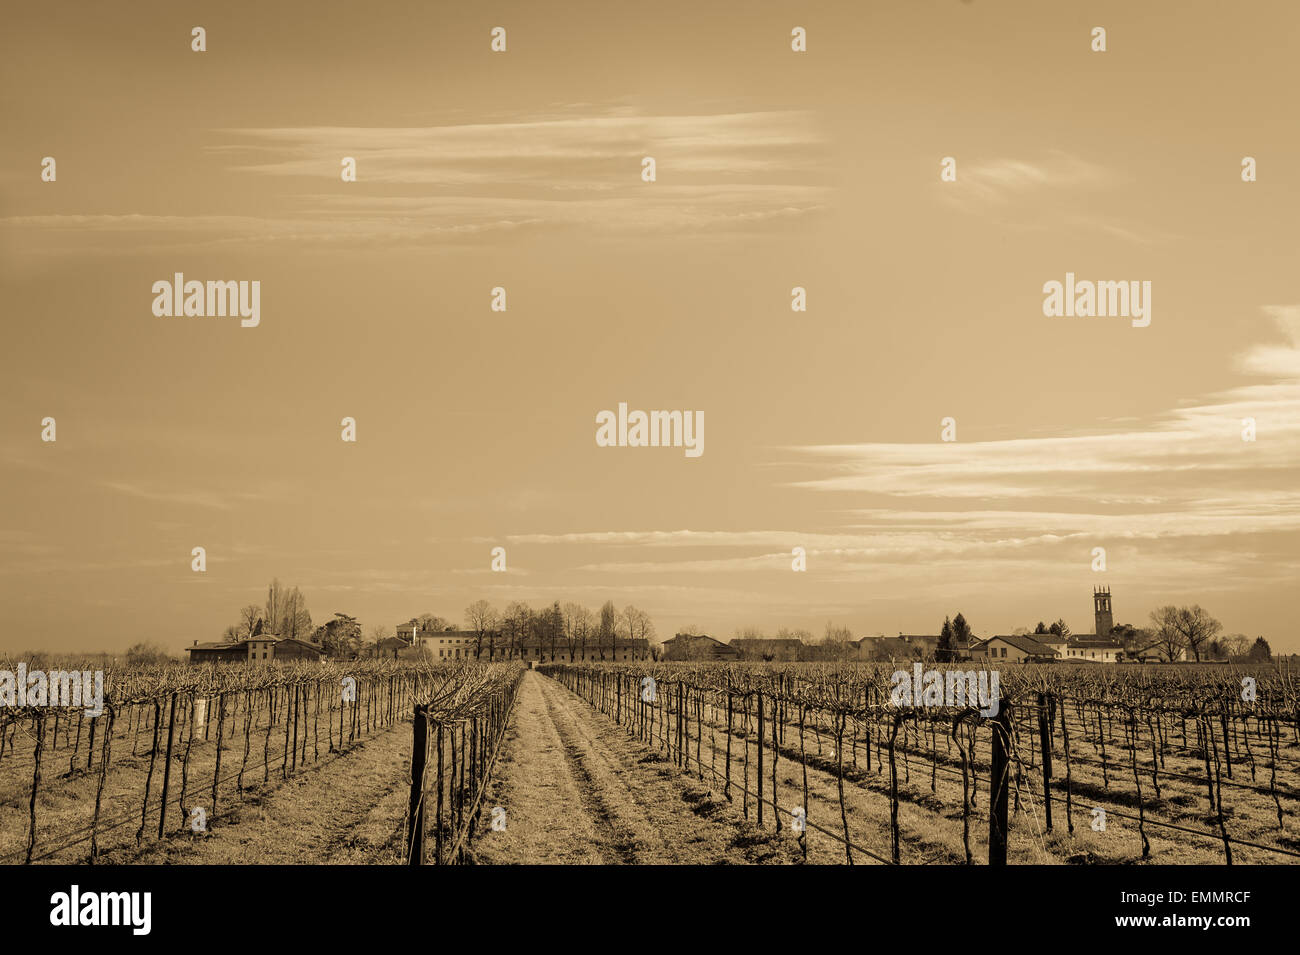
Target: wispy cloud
(1003, 179)
(1044, 502)
(585, 151)
(1044, 193)
(456, 184)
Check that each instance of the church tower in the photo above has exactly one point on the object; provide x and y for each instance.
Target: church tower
(1101, 611)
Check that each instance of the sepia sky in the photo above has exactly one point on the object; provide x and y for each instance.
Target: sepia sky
(522, 170)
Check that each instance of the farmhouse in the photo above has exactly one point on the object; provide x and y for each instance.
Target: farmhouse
(1053, 641)
(1013, 648)
(444, 644)
(687, 646)
(411, 642)
(593, 650)
(263, 648)
(1090, 649)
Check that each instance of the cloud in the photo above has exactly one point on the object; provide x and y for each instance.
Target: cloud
(190, 498)
(1059, 189)
(1182, 493)
(1000, 180)
(574, 151)
(1276, 360)
(458, 184)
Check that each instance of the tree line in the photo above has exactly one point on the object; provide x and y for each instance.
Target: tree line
(558, 630)
(285, 614)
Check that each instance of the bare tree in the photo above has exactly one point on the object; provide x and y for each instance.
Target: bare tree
(608, 628)
(1238, 645)
(554, 625)
(430, 621)
(148, 653)
(1164, 627)
(515, 624)
(574, 625)
(586, 622)
(286, 612)
(1197, 627)
(837, 640)
(481, 619)
(248, 617)
(537, 631)
(274, 606)
(638, 623)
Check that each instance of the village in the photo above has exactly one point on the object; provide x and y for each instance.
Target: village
(1176, 635)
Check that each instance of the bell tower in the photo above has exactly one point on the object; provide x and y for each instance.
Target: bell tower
(1101, 611)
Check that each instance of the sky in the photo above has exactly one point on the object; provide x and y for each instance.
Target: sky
(522, 170)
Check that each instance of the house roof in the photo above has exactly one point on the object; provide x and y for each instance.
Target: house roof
(695, 636)
(1022, 642)
(694, 642)
(302, 643)
(1092, 641)
(242, 645)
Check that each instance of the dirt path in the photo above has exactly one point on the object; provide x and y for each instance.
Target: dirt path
(349, 809)
(577, 790)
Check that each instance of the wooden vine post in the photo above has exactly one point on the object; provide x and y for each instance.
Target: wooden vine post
(998, 780)
(415, 809)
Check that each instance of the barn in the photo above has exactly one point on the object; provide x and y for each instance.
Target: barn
(263, 648)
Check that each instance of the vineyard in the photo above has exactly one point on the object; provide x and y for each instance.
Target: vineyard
(177, 746)
(803, 762)
(1079, 764)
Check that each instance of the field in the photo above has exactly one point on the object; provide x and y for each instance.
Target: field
(390, 763)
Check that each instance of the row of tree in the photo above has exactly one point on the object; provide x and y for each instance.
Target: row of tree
(284, 614)
(788, 645)
(558, 631)
(1193, 630)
